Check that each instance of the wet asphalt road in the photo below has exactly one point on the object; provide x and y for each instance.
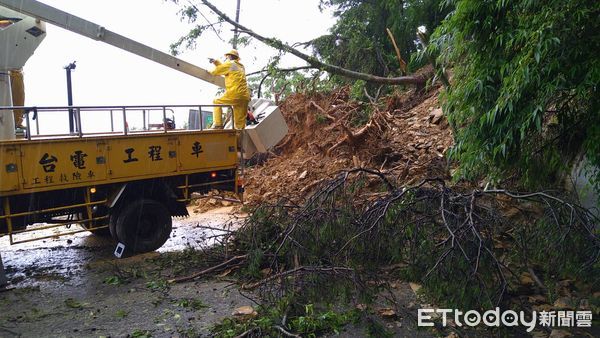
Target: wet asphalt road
(59, 287)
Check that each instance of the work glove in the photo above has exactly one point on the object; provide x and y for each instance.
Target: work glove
(211, 60)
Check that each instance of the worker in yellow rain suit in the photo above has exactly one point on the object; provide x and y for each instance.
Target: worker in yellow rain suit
(236, 90)
(17, 88)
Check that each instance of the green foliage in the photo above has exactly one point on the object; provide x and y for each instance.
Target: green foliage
(158, 285)
(189, 12)
(517, 65)
(359, 40)
(321, 119)
(191, 303)
(137, 333)
(357, 90)
(124, 275)
(121, 313)
(255, 259)
(563, 262)
(358, 93)
(312, 322)
(465, 257)
(114, 280)
(181, 262)
(187, 41)
(376, 329)
(307, 323)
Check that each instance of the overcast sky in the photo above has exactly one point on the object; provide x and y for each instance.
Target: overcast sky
(106, 75)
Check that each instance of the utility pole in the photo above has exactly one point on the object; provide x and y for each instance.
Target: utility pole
(236, 32)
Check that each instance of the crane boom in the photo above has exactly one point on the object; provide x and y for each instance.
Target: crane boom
(96, 32)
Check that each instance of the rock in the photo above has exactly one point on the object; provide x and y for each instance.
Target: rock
(563, 303)
(395, 285)
(453, 335)
(303, 175)
(415, 287)
(436, 116)
(526, 279)
(361, 307)
(387, 313)
(245, 311)
(559, 334)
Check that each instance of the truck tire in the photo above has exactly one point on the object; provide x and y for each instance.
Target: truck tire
(143, 225)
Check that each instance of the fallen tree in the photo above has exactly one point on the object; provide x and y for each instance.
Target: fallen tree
(191, 10)
(470, 248)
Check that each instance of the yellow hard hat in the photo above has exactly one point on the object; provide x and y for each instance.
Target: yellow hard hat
(234, 53)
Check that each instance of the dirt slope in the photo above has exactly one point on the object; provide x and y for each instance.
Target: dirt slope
(406, 136)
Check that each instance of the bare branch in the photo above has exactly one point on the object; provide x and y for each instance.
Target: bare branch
(333, 69)
(312, 269)
(209, 270)
(282, 70)
(398, 55)
(286, 333)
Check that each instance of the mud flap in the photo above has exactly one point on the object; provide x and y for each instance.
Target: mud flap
(3, 280)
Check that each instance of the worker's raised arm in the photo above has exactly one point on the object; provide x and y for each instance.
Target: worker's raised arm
(221, 68)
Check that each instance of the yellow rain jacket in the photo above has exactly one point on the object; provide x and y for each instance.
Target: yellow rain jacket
(236, 92)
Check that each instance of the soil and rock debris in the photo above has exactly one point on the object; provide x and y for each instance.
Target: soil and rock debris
(405, 136)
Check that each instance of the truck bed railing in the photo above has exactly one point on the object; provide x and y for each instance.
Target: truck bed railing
(87, 218)
(32, 116)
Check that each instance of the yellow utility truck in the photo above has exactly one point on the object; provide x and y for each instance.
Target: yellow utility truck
(128, 183)
(122, 181)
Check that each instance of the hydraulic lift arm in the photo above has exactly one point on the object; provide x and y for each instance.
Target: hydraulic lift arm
(96, 32)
